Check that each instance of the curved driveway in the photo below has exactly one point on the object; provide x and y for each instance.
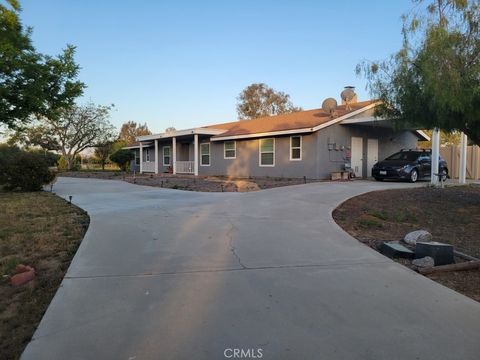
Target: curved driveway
(166, 274)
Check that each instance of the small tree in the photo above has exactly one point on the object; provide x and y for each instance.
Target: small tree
(122, 158)
(259, 100)
(103, 151)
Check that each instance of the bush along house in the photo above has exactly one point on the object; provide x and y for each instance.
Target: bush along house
(311, 144)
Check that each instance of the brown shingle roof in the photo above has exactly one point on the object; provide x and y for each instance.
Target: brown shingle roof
(291, 121)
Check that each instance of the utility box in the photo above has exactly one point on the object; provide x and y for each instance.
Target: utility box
(396, 250)
(441, 253)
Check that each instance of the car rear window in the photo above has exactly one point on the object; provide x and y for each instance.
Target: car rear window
(404, 155)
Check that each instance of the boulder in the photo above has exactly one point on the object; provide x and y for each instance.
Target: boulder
(416, 236)
(425, 262)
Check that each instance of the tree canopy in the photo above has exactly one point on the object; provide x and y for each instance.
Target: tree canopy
(130, 130)
(32, 83)
(259, 100)
(434, 79)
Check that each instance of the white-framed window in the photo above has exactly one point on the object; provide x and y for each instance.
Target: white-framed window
(137, 157)
(266, 152)
(205, 154)
(229, 149)
(295, 148)
(166, 156)
(147, 155)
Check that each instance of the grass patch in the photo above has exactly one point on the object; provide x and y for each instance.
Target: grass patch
(379, 214)
(369, 221)
(44, 231)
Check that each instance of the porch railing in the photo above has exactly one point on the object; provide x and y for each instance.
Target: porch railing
(185, 167)
(148, 166)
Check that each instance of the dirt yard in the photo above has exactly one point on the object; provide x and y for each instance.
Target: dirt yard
(451, 215)
(43, 231)
(190, 183)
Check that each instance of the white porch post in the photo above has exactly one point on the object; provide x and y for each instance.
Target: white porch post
(195, 154)
(156, 156)
(462, 170)
(174, 154)
(141, 158)
(435, 154)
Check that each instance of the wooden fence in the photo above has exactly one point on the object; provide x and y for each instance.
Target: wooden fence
(451, 154)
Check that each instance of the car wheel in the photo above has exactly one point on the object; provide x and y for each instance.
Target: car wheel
(413, 175)
(378, 179)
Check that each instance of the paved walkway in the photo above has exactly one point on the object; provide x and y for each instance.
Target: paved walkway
(166, 274)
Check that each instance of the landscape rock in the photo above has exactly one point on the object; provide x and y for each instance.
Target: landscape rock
(425, 262)
(416, 236)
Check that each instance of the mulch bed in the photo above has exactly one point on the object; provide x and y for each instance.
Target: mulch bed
(190, 183)
(451, 215)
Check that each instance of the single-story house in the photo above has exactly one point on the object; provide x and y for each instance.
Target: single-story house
(311, 143)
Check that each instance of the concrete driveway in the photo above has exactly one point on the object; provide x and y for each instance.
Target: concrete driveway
(166, 274)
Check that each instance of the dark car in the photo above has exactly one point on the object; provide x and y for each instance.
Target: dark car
(410, 165)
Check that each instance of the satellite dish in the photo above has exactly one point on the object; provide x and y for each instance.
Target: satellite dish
(347, 95)
(329, 105)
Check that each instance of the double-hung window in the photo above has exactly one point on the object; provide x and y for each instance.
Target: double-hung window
(267, 152)
(229, 150)
(147, 155)
(295, 148)
(205, 154)
(166, 156)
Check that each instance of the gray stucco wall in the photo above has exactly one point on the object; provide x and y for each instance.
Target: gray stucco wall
(246, 162)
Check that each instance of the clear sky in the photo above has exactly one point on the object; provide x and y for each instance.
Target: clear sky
(183, 63)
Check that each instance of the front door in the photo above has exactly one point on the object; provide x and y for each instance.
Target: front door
(372, 154)
(357, 156)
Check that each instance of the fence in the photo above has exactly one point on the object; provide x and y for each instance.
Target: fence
(451, 154)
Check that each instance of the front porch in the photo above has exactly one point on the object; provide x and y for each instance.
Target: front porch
(175, 153)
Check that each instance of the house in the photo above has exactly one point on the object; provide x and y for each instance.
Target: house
(310, 143)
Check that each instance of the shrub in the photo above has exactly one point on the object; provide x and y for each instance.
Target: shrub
(122, 158)
(21, 170)
(63, 163)
(50, 157)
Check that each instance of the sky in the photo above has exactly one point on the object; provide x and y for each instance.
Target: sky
(184, 63)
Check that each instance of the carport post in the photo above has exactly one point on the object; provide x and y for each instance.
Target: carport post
(174, 154)
(435, 154)
(141, 158)
(195, 154)
(462, 171)
(156, 156)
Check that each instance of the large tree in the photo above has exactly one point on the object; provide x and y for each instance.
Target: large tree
(130, 130)
(259, 100)
(434, 79)
(31, 83)
(74, 130)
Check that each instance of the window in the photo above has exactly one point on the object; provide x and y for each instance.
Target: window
(147, 155)
(267, 152)
(166, 156)
(229, 150)
(205, 154)
(295, 148)
(137, 157)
